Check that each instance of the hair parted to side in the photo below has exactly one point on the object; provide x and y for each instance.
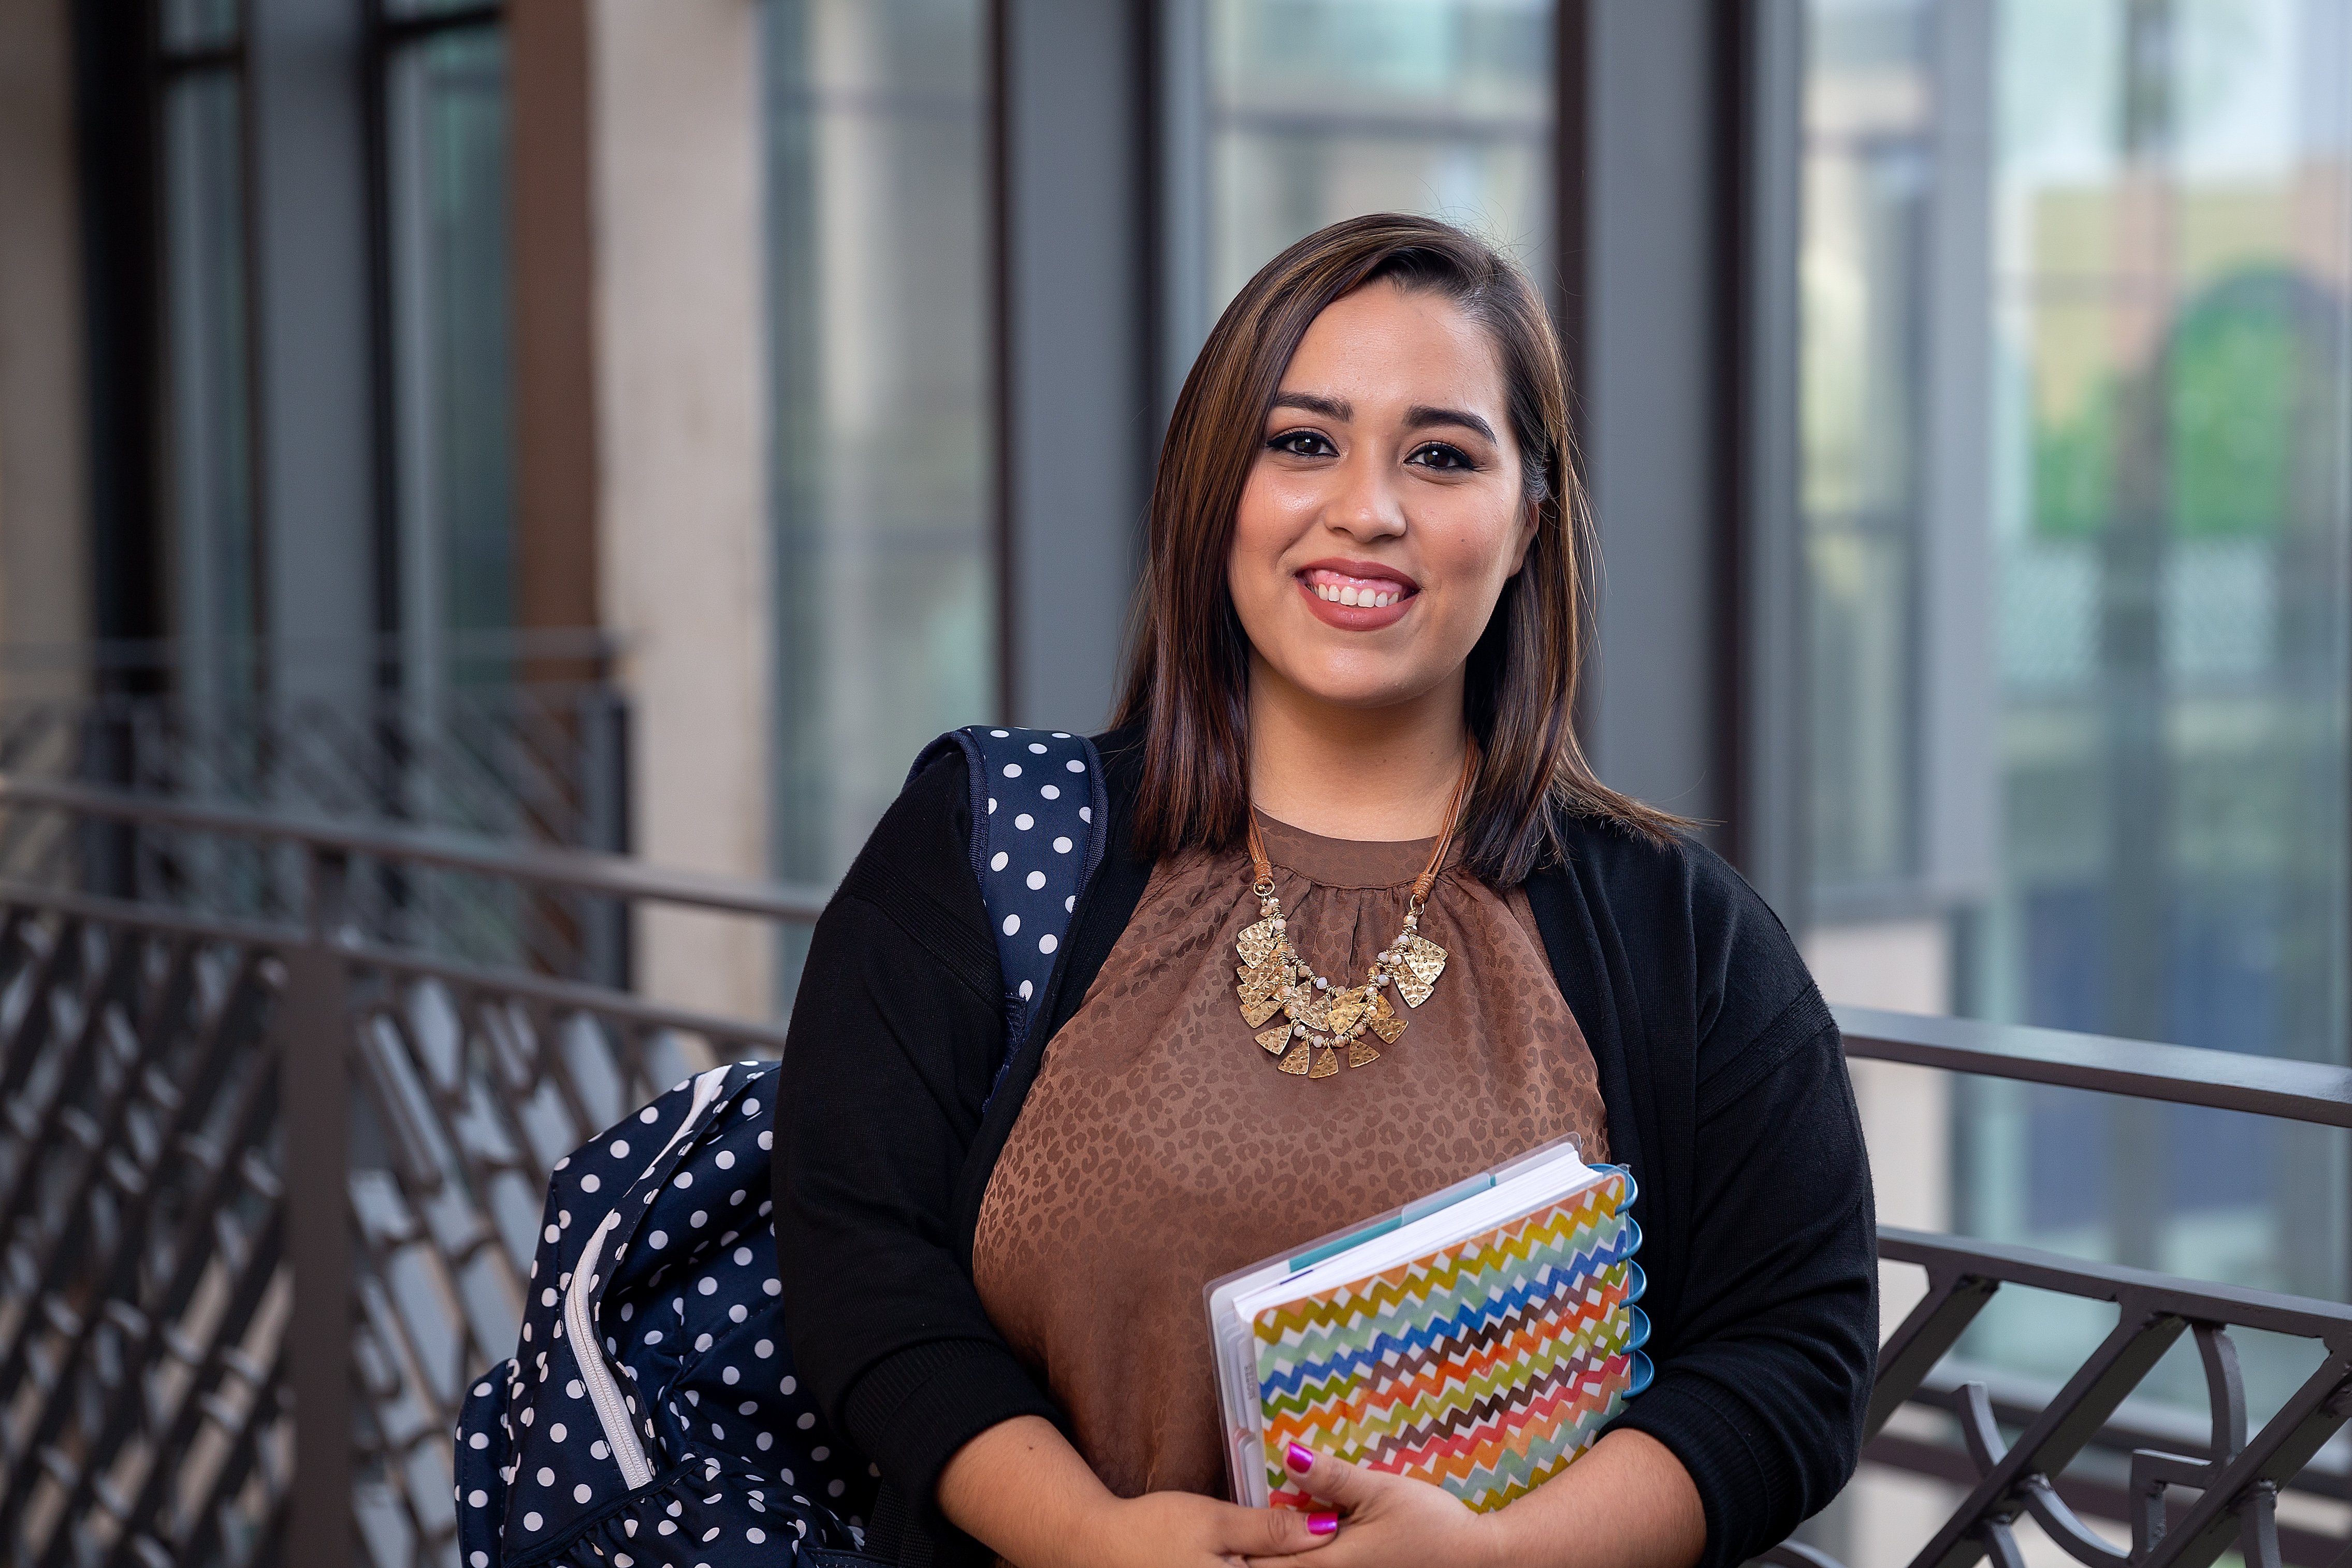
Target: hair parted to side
(1188, 669)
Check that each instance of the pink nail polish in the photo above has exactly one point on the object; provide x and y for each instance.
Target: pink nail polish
(1300, 1457)
(1322, 1524)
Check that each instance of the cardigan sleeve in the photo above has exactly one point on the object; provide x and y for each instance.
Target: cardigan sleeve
(893, 1044)
(1762, 1392)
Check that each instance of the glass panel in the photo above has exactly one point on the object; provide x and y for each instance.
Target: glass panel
(207, 421)
(883, 466)
(1320, 109)
(447, 138)
(191, 25)
(1865, 198)
(2145, 208)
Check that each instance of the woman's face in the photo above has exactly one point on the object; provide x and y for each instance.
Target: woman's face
(1384, 511)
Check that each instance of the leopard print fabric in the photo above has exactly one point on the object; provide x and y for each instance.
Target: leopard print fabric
(1159, 1149)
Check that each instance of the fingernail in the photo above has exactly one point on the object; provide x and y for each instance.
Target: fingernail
(1322, 1524)
(1301, 1457)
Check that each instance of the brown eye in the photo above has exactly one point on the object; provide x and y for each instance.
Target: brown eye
(1302, 444)
(1438, 455)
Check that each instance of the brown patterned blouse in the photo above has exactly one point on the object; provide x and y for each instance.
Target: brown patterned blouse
(1159, 1148)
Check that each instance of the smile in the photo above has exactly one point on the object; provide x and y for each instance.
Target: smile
(1356, 595)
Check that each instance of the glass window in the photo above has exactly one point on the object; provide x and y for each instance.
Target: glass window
(446, 166)
(208, 399)
(2077, 394)
(882, 467)
(1320, 109)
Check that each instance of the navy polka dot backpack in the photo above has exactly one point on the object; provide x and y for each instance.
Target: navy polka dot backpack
(681, 1434)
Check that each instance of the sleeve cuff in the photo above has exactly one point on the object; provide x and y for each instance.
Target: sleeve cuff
(1734, 1492)
(911, 1411)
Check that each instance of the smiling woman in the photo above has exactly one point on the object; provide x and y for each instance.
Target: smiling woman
(1346, 742)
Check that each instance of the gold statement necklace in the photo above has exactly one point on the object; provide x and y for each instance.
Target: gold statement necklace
(1319, 1016)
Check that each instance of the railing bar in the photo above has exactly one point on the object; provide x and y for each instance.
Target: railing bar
(2014, 1265)
(570, 993)
(593, 871)
(1951, 1304)
(99, 909)
(2186, 1075)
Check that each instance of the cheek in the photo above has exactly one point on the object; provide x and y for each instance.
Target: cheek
(1263, 530)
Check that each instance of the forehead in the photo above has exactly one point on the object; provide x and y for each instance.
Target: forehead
(1383, 344)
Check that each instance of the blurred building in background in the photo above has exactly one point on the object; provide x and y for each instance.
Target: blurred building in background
(642, 426)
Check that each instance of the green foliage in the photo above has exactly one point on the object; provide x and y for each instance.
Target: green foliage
(2075, 469)
(2234, 384)
(2236, 377)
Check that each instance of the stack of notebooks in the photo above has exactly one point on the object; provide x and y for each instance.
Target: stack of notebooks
(1479, 1339)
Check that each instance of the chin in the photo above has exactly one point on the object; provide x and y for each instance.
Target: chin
(1356, 689)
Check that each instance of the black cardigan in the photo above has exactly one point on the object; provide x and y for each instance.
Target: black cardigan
(1721, 1068)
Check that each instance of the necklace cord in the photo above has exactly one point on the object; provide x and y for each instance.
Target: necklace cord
(1262, 868)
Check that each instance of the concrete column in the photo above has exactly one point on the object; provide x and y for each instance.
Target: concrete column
(1080, 418)
(683, 555)
(1652, 360)
(43, 544)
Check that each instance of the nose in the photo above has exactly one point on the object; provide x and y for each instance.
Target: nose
(1365, 503)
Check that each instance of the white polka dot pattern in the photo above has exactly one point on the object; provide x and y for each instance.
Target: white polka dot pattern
(684, 1299)
(1028, 856)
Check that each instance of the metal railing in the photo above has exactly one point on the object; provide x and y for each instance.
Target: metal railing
(512, 735)
(263, 1168)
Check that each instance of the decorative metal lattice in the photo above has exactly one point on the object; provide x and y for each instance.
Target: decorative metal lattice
(145, 1407)
(141, 1411)
(2236, 1480)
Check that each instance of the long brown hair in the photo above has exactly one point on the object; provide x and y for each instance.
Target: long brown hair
(1188, 671)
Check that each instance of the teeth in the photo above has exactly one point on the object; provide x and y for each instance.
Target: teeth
(1367, 598)
(1346, 593)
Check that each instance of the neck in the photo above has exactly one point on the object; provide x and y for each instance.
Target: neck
(1372, 773)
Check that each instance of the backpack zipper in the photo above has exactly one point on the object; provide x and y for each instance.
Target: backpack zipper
(596, 1372)
(580, 1321)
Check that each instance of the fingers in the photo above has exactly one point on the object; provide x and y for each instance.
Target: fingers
(1344, 1486)
(1256, 1532)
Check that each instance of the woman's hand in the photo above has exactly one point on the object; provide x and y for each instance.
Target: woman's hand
(1391, 1522)
(1173, 1528)
(1020, 1488)
(1627, 1502)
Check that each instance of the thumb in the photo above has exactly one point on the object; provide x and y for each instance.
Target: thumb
(1256, 1532)
(1344, 1486)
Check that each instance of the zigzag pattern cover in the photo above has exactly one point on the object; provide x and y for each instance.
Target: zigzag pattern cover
(1485, 1367)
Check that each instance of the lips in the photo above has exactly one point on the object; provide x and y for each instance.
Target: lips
(1356, 595)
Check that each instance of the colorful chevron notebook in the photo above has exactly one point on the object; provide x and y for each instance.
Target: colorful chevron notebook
(1479, 1339)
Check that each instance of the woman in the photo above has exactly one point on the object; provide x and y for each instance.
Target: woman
(1361, 605)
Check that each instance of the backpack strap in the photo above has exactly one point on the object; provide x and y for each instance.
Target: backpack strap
(1038, 816)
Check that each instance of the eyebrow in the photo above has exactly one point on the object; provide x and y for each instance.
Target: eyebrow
(1420, 416)
(1329, 408)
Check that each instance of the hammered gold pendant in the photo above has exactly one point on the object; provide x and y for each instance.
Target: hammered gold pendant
(1296, 1062)
(1385, 1022)
(1276, 1040)
(1326, 1062)
(1348, 1005)
(1361, 1052)
(1260, 981)
(1258, 943)
(1423, 962)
